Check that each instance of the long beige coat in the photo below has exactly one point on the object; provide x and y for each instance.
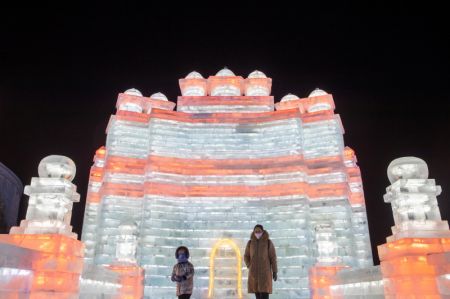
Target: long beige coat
(261, 260)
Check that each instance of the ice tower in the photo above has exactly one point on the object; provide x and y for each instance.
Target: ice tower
(204, 175)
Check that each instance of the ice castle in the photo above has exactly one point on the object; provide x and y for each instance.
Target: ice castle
(204, 175)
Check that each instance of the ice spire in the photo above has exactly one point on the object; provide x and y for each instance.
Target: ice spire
(413, 199)
(51, 198)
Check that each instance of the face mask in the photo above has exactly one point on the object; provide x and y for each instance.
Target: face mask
(258, 235)
(182, 257)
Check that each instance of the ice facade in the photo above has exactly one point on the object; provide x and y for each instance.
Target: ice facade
(204, 175)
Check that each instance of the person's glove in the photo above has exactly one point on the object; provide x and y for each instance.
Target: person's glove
(275, 277)
(183, 278)
(180, 278)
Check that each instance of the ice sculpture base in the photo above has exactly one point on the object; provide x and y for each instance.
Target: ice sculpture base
(35, 264)
(43, 227)
(358, 283)
(420, 229)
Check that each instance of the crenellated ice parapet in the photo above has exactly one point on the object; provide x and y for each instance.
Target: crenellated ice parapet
(413, 199)
(51, 199)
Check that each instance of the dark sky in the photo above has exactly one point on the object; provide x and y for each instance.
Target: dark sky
(62, 68)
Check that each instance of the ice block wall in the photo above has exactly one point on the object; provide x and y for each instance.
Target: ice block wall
(208, 172)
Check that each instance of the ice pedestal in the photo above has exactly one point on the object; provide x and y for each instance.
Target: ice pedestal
(321, 278)
(42, 258)
(130, 273)
(358, 283)
(123, 278)
(418, 234)
(323, 275)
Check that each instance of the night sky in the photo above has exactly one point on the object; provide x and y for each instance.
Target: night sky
(62, 68)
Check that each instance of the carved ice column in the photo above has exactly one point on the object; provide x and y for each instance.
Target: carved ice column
(51, 199)
(415, 257)
(323, 274)
(125, 264)
(327, 247)
(413, 199)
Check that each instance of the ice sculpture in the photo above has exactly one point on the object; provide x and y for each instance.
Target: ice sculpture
(51, 199)
(42, 258)
(123, 278)
(323, 274)
(130, 273)
(326, 245)
(413, 261)
(214, 168)
(413, 199)
(364, 283)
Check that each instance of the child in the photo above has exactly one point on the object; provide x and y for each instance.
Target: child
(183, 273)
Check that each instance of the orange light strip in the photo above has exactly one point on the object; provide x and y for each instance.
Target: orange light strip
(313, 191)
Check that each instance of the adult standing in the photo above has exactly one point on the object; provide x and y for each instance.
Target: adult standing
(261, 260)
